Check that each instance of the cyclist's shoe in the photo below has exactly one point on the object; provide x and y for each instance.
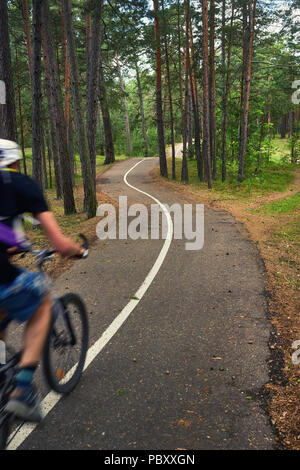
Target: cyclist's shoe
(25, 405)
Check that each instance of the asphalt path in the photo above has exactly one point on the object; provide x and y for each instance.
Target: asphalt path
(186, 367)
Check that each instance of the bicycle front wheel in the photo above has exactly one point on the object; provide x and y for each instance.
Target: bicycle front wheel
(66, 345)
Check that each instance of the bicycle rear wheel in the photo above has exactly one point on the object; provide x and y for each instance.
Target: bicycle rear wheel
(4, 432)
(66, 345)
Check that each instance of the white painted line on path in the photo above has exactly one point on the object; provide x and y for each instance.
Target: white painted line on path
(49, 402)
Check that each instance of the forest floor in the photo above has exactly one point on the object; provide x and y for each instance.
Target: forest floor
(71, 225)
(272, 219)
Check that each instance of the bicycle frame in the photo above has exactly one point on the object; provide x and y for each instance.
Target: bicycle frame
(60, 309)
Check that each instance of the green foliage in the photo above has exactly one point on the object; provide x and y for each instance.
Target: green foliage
(128, 30)
(285, 206)
(273, 177)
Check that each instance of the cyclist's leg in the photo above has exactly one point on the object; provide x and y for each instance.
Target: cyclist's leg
(3, 315)
(24, 401)
(35, 333)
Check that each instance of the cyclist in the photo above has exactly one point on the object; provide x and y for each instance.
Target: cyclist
(24, 295)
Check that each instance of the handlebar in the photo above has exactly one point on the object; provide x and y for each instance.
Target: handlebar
(85, 245)
(45, 255)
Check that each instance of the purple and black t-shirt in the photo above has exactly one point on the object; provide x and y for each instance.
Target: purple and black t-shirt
(18, 194)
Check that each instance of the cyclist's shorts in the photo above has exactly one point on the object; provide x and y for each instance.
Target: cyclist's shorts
(21, 298)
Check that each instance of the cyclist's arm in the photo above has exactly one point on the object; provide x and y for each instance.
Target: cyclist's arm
(64, 245)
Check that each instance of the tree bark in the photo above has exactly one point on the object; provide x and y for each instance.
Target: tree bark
(49, 155)
(146, 146)
(8, 122)
(226, 94)
(53, 128)
(190, 152)
(159, 113)
(36, 91)
(195, 102)
(20, 113)
(109, 143)
(102, 151)
(67, 96)
(88, 37)
(87, 173)
(169, 92)
(244, 53)
(92, 86)
(179, 61)
(59, 120)
(123, 92)
(249, 55)
(25, 13)
(44, 164)
(283, 127)
(212, 95)
(184, 170)
(206, 122)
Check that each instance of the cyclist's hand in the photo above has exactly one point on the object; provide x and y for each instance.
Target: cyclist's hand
(12, 250)
(81, 253)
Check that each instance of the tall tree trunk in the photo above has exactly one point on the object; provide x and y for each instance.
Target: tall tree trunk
(92, 86)
(195, 102)
(223, 45)
(87, 173)
(146, 146)
(25, 13)
(53, 128)
(60, 122)
(20, 112)
(165, 107)
(109, 143)
(249, 55)
(184, 170)
(88, 38)
(292, 134)
(8, 122)
(67, 96)
(190, 124)
(49, 155)
(66, 69)
(126, 118)
(36, 91)
(44, 164)
(212, 95)
(102, 151)
(206, 122)
(283, 127)
(291, 123)
(21, 128)
(159, 113)
(179, 60)
(71, 149)
(244, 53)
(169, 92)
(226, 93)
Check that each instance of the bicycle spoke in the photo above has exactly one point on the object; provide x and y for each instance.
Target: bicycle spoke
(65, 358)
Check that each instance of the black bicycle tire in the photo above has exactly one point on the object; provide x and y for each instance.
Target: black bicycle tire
(4, 433)
(49, 374)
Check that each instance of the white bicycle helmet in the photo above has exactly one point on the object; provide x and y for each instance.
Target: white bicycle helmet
(9, 153)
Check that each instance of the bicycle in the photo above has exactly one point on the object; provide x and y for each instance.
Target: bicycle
(68, 336)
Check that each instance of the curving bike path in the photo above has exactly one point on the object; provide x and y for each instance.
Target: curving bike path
(184, 366)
